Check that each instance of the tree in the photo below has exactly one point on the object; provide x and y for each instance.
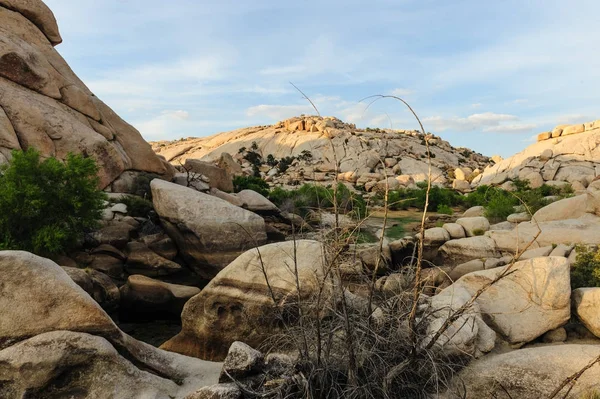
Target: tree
(46, 206)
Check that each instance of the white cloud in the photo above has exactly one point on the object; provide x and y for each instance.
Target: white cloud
(486, 122)
(279, 112)
(399, 92)
(476, 105)
(514, 128)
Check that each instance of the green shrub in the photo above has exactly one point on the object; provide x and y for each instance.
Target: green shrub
(47, 206)
(312, 196)
(445, 210)
(141, 185)
(438, 196)
(478, 232)
(500, 206)
(137, 206)
(586, 269)
(250, 183)
(271, 161)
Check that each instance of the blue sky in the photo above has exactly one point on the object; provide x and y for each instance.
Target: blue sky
(482, 74)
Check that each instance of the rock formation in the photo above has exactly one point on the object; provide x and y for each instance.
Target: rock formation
(44, 105)
(56, 341)
(568, 154)
(365, 156)
(238, 303)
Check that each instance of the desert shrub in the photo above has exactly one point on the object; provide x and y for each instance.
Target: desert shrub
(46, 206)
(250, 183)
(284, 164)
(305, 155)
(254, 146)
(445, 210)
(586, 269)
(500, 203)
(254, 158)
(500, 206)
(271, 161)
(478, 232)
(312, 196)
(438, 196)
(137, 206)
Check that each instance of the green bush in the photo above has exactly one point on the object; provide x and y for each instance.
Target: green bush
(445, 210)
(500, 203)
(438, 197)
(47, 206)
(250, 183)
(585, 272)
(312, 196)
(137, 206)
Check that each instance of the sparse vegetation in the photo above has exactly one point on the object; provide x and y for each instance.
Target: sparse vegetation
(46, 205)
(250, 183)
(586, 269)
(137, 206)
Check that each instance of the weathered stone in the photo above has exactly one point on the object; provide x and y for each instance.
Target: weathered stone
(519, 217)
(586, 304)
(241, 361)
(573, 129)
(256, 202)
(209, 231)
(555, 336)
(536, 253)
(568, 208)
(455, 230)
(474, 226)
(37, 296)
(238, 305)
(455, 252)
(219, 178)
(466, 268)
(544, 136)
(531, 300)
(39, 14)
(230, 390)
(468, 335)
(435, 236)
(227, 163)
(530, 373)
(474, 212)
(142, 260)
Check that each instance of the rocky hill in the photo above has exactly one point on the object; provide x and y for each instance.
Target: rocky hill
(44, 105)
(365, 156)
(567, 154)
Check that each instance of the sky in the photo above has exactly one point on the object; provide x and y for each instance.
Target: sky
(487, 75)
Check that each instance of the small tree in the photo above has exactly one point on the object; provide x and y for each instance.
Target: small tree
(46, 206)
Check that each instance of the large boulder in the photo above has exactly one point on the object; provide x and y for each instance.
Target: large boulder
(46, 106)
(530, 373)
(531, 299)
(468, 335)
(568, 208)
(218, 178)
(584, 230)
(474, 226)
(240, 305)
(209, 231)
(37, 296)
(586, 305)
(56, 341)
(38, 13)
(455, 252)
